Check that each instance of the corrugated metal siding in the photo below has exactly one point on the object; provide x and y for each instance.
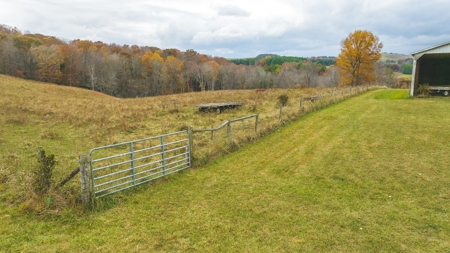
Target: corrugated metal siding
(440, 50)
(444, 48)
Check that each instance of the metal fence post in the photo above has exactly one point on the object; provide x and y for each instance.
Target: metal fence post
(256, 122)
(83, 161)
(228, 132)
(163, 162)
(132, 162)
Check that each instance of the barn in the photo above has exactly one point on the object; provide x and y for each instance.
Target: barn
(432, 66)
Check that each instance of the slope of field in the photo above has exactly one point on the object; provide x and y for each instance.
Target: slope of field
(68, 121)
(367, 175)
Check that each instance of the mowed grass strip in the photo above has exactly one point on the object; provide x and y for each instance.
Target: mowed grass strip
(367, 175)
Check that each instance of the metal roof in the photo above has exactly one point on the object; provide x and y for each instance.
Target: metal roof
(439, 49)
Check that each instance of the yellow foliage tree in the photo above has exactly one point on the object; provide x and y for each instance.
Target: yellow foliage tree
(356, 62)
(174, 70)
(157, 70)
(49, 60)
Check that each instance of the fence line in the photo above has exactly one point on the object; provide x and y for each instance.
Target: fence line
(228, 125)
(322, 98)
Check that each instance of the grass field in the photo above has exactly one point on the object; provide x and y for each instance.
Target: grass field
(403, 76)
(369, 174)
(394, 57)
(68, 121)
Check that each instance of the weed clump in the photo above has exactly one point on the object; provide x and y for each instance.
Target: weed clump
(283, 99)
(42, 175)
(424, 90)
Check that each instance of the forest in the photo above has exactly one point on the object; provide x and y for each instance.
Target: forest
(139, 71)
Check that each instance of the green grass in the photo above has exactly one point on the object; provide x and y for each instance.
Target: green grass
(369, 174)
(392, 94)
(404, 76)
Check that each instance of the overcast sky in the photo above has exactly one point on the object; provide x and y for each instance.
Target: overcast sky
(236, 28)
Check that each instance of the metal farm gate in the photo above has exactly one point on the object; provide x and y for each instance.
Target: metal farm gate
(121, 166)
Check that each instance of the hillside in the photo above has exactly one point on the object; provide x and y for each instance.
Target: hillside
(394, 57)
(366, 175)
(69, 121)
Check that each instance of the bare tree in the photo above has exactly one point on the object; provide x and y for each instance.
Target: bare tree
(310, 74)
(333, 76)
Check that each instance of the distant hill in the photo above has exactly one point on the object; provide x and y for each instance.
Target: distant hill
(274, 59)
(385, 57)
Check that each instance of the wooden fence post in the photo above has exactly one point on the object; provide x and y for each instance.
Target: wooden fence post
(281, 111)
(85, 194)
(301, 103)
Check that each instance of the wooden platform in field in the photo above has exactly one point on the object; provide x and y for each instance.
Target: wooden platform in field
(218, 107)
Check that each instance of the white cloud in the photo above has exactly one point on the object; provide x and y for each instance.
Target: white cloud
(237, 28)
(230, 10)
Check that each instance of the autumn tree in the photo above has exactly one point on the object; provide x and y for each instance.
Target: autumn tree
(359, 53)
(92, 62)
(70, 67)
(174, 68)
(49, 60)
(25, 43)
(157, 71)
(211, 70)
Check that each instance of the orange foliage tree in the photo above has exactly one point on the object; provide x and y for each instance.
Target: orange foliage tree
(356, 62)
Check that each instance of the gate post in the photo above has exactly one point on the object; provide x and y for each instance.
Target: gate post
(83, 161)
(190, 145)
(132, 162)
(163, 158)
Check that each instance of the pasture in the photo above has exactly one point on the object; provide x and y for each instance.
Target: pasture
(369, 174)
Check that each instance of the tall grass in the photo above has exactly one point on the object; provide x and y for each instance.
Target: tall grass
(69, 121)
(369, 174)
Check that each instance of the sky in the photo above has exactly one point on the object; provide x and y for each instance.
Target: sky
(236, 28)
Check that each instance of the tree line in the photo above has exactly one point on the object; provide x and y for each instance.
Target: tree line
(137, 71)
(405, 66)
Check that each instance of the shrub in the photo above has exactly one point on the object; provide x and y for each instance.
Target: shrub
(283, 99)
(424, 90)
(42, 175)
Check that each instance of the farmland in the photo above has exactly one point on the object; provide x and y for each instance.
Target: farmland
(69, 121)
(369, 174)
